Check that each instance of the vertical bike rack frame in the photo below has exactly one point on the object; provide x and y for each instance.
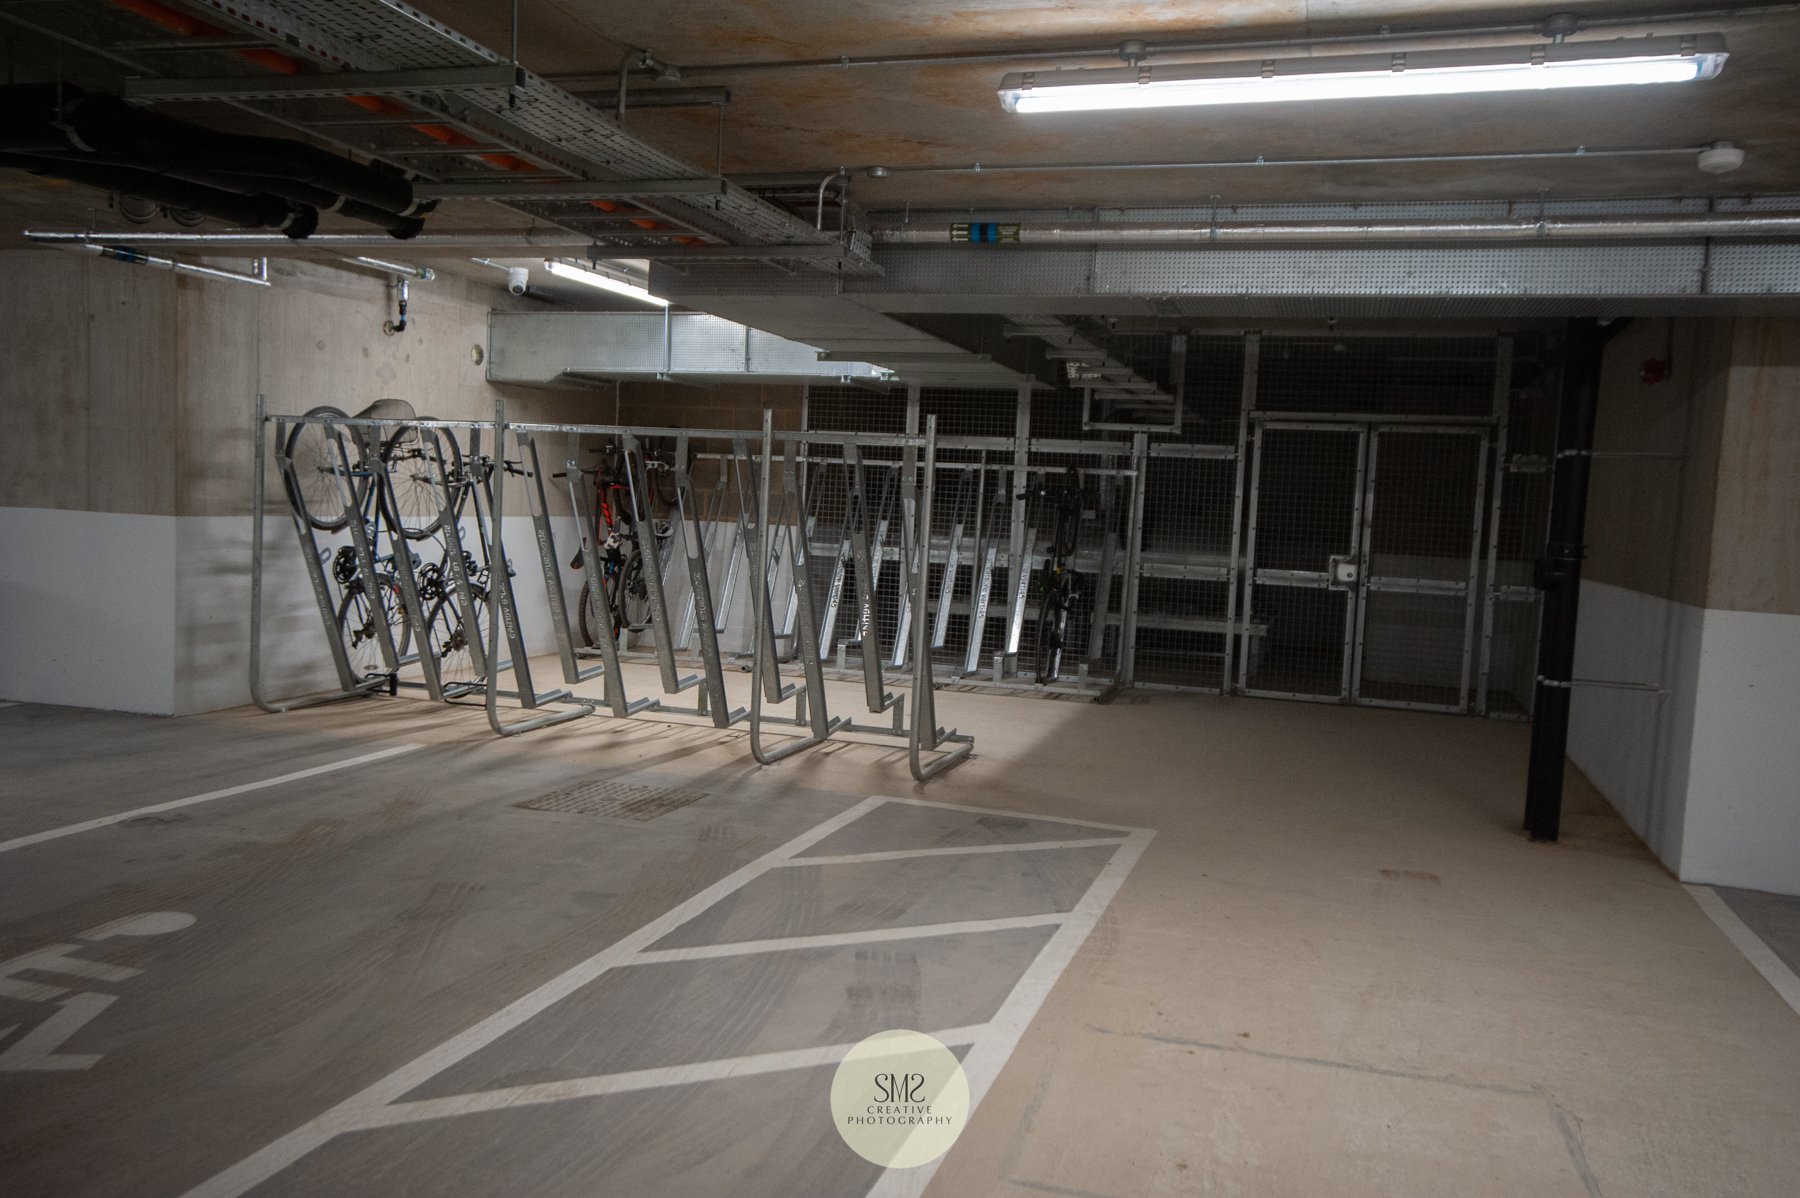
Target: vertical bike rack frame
(713, 699)
(751, 485)
(638, 492)
(940, 628)
(926, 735)
(488, 476)
(613, 693)
(453, 492)
(981, 587)
(1102, 610)
(369, 438)
(500, 580)
(809, 695)
(538, 502)
(711, 526)
(840, 564)
(858, 515)
(350, 687)
(359, 539)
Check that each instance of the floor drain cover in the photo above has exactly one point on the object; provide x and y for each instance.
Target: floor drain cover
(619, 800)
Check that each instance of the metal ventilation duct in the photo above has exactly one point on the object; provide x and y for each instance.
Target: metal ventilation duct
(553, 348)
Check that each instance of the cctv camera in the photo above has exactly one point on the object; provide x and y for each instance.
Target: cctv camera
(517, 279)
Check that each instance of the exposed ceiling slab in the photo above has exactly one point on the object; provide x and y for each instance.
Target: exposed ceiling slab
(384, 79)
(946, 113)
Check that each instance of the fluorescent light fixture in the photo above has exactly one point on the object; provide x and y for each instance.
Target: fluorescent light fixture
(593, 278)
(1542, 67)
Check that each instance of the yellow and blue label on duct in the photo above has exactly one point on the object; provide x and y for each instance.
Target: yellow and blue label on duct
(985, 232)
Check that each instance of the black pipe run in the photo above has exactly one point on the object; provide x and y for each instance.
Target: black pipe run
(243, 211)
(1559, 575)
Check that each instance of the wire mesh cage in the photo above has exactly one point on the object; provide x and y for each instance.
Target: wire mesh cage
(1335, 517)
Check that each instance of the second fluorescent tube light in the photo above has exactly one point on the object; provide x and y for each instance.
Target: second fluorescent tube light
(605, 282)
(1541, 67)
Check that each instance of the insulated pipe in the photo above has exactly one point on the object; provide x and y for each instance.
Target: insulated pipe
(62, 119)
(1198, 233)
(1559, 577)
(459, 244)
(399, 270)
(119, 253)
(247, 211)
(304, 197)
(107, 124)
(1060, 168)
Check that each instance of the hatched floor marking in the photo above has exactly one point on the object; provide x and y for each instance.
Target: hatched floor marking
(1774, 970)
(989, 1044)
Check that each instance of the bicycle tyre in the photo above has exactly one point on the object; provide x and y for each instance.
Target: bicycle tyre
(631, 595)
(412, 499)
(312, 480)
(355, 623)
(450, 638)
(1053, 628)
(591, 608)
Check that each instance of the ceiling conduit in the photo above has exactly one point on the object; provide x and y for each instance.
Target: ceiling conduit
(1201, 233)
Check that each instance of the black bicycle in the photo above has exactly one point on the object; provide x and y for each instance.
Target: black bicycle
(414, 474)
(1060, 587)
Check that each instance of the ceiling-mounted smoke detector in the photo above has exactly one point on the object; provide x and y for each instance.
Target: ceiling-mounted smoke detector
(1721, 157)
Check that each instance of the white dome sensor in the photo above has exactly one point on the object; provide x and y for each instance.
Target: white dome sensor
(1720, 157)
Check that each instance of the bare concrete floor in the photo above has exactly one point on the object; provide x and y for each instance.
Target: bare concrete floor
(1337, 968)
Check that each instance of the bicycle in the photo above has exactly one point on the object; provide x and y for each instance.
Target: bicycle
(324, 468)
(625, 594)
(1060, 587)
(407, 496)
(357, 615)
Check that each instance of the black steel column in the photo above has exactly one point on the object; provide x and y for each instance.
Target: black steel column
(1559, 575)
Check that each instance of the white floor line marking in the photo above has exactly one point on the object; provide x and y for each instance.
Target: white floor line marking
(1042, 819)
(1774, 970)
(258, 1167)
(996, 1044)
(745, 948)
(538, 1093)
(6, 846)
(960, 850)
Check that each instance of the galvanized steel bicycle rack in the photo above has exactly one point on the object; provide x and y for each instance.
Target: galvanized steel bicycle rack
(1178, 587)
(774, 526)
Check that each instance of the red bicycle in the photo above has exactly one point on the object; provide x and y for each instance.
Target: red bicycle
(625, 596)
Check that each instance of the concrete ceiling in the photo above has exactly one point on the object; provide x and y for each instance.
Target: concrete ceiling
(800, 123)
(808, 121)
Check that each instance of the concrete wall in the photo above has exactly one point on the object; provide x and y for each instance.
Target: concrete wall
(1693, 582)
(125, 478)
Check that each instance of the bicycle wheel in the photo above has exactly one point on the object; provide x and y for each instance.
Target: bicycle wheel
(451, 638)
(414, 494)
(631, 594)
(1053, 628)
(356, 621)
(589, 610)
(315, 485)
